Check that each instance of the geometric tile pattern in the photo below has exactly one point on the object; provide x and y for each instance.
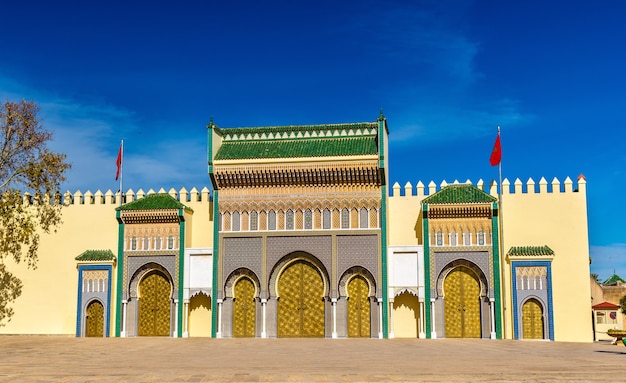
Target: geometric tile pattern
(358, 250)
(301, 304)
(242, 253)
(358, 308)
(154, 305)
(461, 304)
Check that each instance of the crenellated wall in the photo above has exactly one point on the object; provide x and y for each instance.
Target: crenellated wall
(533, 214)
(89, 222)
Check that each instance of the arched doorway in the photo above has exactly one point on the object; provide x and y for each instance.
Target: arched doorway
(462, 304)
(244, 312)
(155, 293)
(406, 315)
(358, 308)
(532, 320)
(94, 322)
(200, 315)
(300, 303)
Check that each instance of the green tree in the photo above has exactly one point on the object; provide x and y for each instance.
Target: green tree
(622, 303)
(28, 170)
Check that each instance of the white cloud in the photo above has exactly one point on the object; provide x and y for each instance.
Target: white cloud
(606, 260)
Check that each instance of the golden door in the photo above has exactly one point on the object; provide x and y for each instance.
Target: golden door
(94, 323)
(301, 305)
(462, 304)
(532, 320)
(358, 308)
(154, 305)
(244, 309)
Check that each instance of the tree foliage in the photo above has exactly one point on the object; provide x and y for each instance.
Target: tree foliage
(30, 177)
(622, 303)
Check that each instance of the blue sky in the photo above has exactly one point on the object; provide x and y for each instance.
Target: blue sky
(550, 73)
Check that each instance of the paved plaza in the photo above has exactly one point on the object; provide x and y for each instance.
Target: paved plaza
(66, 359)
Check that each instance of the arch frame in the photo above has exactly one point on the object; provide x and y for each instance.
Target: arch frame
(289, 260)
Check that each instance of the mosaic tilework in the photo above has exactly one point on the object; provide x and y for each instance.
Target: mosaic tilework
(318, 246)
(358, 250)
(132, 264)
(439, 260)
(241, 252)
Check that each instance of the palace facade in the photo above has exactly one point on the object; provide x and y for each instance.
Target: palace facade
(302, 235)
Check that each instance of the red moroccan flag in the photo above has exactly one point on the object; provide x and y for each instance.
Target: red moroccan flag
(496, 153)
(118, 162)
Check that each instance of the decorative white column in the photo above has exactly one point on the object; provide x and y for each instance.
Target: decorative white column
(175, 334)
(391, 326)
(422, 332)
(333, 302)
(218, 334)
(186, 318)
(492, 304)
(263, 307)
(433, 332)
(380, 318)
(123, 332)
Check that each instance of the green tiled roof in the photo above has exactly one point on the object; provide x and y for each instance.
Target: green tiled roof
(96, 255)
(154, 202)
(529, 250)
(462, 193)
(613, 279)
(292, 148)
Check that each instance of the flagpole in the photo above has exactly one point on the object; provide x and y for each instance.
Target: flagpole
(121, 171)
(501, 245)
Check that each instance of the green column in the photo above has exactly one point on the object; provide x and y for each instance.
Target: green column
(181, 272)
(496, 270)
(214, 287)
(426, 240)
(120, 274)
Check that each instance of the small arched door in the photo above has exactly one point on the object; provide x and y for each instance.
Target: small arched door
(462, 304)
(358, 308)
(532, 320)
(94, 322)
(155, 293)
(244, 311)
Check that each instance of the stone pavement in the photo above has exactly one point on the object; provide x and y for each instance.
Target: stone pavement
(66, 359)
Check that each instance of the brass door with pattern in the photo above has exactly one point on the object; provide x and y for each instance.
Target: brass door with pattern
(300, 304)
(154, 305)
(358, 308)
(94, 322)
(462, 304)
(532, 320)
(244, 312)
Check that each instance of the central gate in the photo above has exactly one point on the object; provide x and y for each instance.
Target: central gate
(154, 305)
(244, 309)
(462, 304)
(532, 320)
(358, 308)
(301, 305)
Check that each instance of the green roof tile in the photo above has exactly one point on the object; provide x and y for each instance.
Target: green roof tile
(154, 202)
(462, 193)
(303, 147)
(96, 255)
(530, 251)
(613, 279)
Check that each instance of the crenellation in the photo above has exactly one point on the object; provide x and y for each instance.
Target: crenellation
(518, 187)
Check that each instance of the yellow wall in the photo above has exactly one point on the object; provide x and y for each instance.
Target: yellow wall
(49, 294)
(559, 220)
(51, 291)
